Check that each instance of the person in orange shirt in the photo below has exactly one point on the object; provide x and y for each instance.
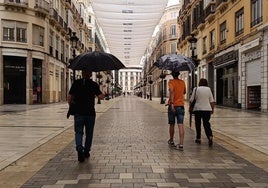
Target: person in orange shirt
(177, 90)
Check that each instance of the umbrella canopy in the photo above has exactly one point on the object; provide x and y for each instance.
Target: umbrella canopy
(95, 62)
(175, 62)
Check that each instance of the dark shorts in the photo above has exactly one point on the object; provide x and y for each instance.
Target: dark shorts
(179, 114)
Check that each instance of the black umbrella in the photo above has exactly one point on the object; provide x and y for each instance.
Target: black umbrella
(95, 62)
(175, 62)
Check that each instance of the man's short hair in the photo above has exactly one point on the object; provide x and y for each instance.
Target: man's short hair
(175, 74)
(86, 73)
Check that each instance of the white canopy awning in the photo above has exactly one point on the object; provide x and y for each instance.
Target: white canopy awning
(128, 26)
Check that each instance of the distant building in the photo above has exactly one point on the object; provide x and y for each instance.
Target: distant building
(128, 78)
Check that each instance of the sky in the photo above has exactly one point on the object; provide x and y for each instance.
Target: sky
(172, 2)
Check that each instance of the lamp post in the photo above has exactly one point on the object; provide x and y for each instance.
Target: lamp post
(193, 42)
(150, 82)
(99, 76)
(144, 88)
(112, 84)
(107, 82)
(74, 39)
(162, 76)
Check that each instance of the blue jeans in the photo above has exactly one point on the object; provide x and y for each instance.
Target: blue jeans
(178, 114)
(81, 121)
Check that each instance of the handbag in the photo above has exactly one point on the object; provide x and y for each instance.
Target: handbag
(191, 108)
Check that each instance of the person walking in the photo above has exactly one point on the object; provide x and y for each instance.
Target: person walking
(203, 109)
(177, 90)
(82, 94)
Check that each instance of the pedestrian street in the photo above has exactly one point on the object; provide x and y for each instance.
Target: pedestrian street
(130, 149)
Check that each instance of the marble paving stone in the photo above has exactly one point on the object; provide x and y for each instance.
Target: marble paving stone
(130, 150)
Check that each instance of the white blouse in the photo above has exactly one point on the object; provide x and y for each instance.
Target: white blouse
(203, 98)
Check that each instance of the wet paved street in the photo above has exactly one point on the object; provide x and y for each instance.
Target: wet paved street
(130, 150)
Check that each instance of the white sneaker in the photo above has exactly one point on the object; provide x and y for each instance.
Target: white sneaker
(179, 147)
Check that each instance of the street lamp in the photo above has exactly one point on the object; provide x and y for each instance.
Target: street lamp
(193, 42)
(107, 82)
(150, 82)
(112, 84)
(74, 39)
(99, 76)
(144, 88)
(162, 76)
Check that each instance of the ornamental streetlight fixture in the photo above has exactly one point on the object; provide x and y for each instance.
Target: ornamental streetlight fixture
(74, 39)
(162, 76)
(193, 43)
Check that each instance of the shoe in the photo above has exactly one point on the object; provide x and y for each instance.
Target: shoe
(81, 157)
(86, 154)
(210, 142)
(179, 147)
(198, 141)
(171, 143)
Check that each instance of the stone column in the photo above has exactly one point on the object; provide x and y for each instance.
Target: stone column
(29, 78)
(1, 78)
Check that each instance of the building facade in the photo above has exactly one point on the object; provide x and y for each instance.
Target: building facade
(128, 78)
(36, 48)
(231, 46)
(155, 81)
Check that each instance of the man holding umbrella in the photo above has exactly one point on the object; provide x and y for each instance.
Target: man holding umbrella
(82, 94)
(176, 111)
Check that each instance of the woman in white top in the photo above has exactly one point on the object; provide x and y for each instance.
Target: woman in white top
(203, 109)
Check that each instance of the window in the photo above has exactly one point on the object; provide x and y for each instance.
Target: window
(204, 45)
(239, 22)
(256, 12)
(51, 36)
(14, 31)
(62, 50)
(38, 35)
(173, 31)
(173, 48)
(223, 33)
(212, 39)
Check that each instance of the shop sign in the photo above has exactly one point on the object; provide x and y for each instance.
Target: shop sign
(249, 45)
(229, 56)
(251, 56)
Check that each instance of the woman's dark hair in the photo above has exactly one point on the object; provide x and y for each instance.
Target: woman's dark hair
(203, 82)
(175, 74)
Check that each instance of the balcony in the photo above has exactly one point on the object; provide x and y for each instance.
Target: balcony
(210, 9)
(41, 7)
(19, 5)
(53, 16)
(173, 36)
(210, 12)
(222, 5)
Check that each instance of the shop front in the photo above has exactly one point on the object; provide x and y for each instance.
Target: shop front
(251, 74)
(14, 80)
(252, 66)
(37, 81)
(226, 66)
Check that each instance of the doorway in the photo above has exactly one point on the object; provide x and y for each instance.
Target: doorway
(14, 80)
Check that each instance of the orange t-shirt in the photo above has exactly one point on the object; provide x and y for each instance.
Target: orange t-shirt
(179, 89)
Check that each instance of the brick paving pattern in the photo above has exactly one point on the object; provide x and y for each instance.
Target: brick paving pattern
(130, 150)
